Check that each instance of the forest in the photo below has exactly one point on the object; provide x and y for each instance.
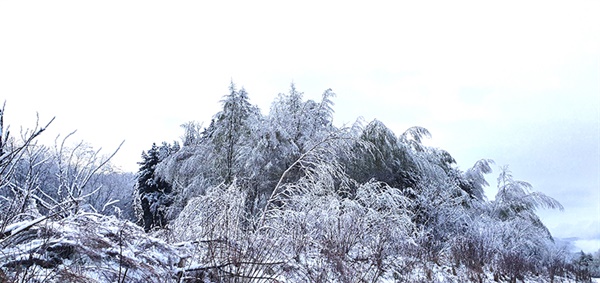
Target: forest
(285, 196)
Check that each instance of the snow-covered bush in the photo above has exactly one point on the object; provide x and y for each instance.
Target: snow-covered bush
(331, 237)
(283, 197)
(85, 248)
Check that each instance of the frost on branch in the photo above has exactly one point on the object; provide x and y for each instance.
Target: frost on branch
(280, 197)
(86, 247)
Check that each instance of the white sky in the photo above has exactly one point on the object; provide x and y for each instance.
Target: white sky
(515, 81)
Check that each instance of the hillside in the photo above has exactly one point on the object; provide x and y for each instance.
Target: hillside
(282, 197)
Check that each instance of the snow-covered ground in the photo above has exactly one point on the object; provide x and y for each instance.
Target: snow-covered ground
(90, 247)
(95, 248)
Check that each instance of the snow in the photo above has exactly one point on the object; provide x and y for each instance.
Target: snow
(277, 198)
(98, 247)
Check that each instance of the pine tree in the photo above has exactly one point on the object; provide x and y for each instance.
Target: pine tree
(154, 194)
(230, 134)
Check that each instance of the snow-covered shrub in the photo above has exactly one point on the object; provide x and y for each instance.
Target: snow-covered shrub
(85, 248)
(216, 215)
(226, 245)
(313, 202)
(332, 237)
(557, 262)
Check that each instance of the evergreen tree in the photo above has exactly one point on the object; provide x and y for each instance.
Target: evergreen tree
(154, 194)
(230, 134)
(279, 169)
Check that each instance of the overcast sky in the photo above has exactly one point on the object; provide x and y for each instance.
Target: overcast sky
(514, 81)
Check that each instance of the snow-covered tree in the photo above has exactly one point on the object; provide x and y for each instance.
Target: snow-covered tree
(192, 133)
(384, 158)
(229, 134)
(292, 128)
(153, 193)
(473, 180)
(515, 199)
(114, 195)
(290, 195)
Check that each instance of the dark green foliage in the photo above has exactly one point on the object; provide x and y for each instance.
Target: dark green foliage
(385, 158)
(153, 192)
